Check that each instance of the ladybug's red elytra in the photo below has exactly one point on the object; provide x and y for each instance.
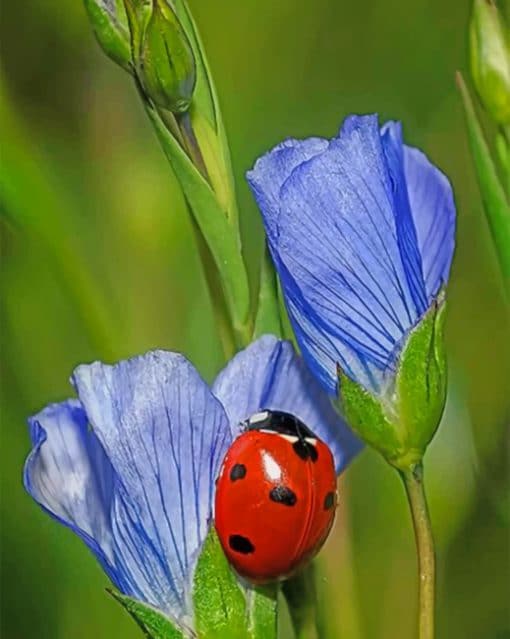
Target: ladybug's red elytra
(275, 497)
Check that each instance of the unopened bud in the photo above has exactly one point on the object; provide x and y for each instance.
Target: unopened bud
(108, 19)
(166, 66)
(490, 60)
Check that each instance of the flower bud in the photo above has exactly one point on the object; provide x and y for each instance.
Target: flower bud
(166, 66)
(109, 22)
(401, 421)
(490, 60)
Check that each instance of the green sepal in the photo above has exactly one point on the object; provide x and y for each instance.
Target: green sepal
(220, 236)
(421, 379)
(218, 600)
(154, 624)
(367, 417)
(111, 30)
(138, 13)
(497, 208)
(402, 420)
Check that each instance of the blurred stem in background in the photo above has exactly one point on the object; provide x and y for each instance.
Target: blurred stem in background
(25, 179)
(489, 49)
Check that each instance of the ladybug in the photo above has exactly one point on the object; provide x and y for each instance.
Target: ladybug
(275, 497)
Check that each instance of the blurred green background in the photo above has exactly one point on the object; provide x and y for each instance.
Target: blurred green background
(111, 248)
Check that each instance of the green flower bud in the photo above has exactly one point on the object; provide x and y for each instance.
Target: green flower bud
(490, 59)
(401, 421)
(165, 62)
(108, 19)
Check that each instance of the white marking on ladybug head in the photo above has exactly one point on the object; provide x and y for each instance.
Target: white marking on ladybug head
(290, 438)
(271, 467)
(311, 440)
(259, 417)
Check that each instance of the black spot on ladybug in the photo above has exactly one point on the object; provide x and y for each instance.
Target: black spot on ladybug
(241, 544)
(238, 472)
(329, 501)
(305, 450)
(283, 495)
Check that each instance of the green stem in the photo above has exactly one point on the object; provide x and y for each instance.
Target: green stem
(301, 596)
(219, 307)
(413, 482)
(267, 318)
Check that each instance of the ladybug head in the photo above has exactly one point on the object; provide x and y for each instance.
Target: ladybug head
(279, 422)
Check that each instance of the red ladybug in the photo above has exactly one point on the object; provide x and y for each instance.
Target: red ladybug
(275, 497)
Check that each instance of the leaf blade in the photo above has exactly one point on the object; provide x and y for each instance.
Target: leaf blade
(496, 206)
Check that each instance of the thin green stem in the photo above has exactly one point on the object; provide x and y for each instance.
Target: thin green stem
(413, 482)
(267, 319)
(301, 596)
(227, 338)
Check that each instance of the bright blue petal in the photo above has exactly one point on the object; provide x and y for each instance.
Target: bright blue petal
(69, 475)
(391, 138)
(165, 435)
(338, 240)
(269, 375)
(272, 169)
(433, 210)
(361, 233)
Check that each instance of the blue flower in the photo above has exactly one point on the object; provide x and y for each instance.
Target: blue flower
(361, 231)
(130, 465)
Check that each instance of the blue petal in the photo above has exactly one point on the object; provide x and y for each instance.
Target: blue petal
(391, 138)
(339, 243)
(69, 475)
(165, 435)
(433, 210)
(272, 169)
(269, 375)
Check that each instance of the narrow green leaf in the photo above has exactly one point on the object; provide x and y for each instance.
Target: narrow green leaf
(496, 206)
(219, 602)
(268, 319)
(263, 612)
(503, 153)
(221, 238)
(153, 623)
